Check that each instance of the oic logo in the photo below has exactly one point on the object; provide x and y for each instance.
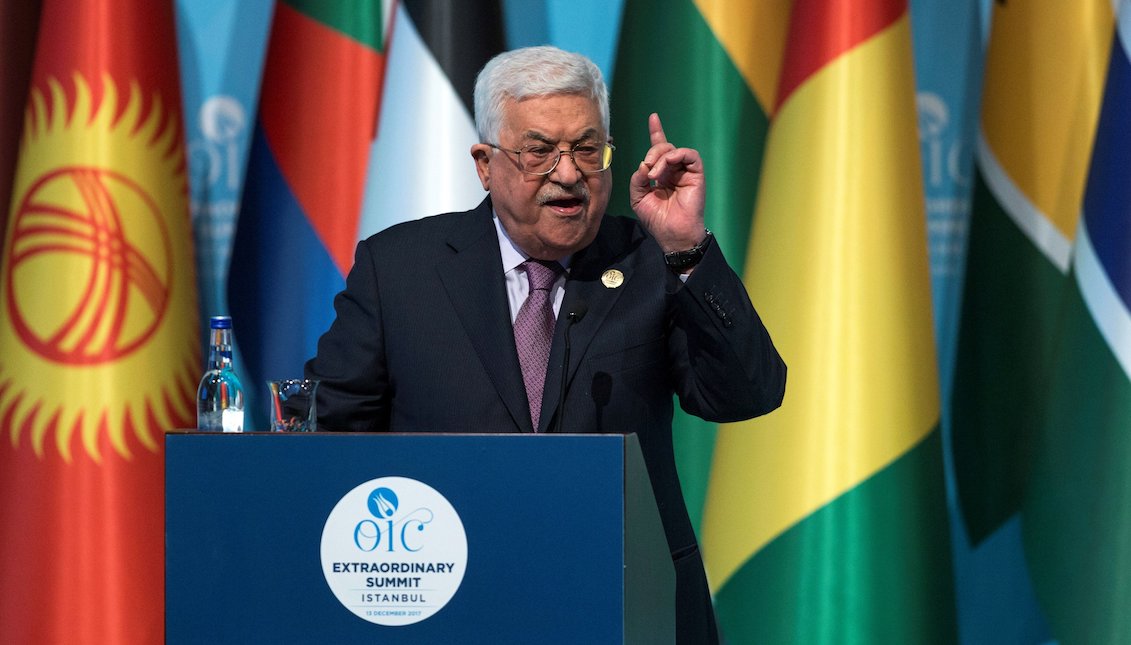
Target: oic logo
(383, 503)
(394, 551)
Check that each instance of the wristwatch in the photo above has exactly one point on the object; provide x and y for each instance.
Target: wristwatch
(680, 261)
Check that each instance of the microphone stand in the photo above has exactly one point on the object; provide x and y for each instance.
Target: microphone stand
(574, 316)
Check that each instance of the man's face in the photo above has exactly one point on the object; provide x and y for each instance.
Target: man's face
(555, 215)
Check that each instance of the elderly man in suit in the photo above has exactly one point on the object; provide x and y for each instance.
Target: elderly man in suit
(459, 322)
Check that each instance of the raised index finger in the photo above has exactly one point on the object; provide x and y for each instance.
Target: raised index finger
(656, 129)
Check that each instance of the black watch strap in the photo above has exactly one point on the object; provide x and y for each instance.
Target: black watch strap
(683, 260)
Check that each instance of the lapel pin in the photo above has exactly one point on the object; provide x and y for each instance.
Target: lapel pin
(612, 278)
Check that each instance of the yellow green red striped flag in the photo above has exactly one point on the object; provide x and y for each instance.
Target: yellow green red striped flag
(826, 520)
(715, 93)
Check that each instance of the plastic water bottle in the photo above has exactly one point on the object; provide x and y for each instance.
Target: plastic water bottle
(219, 399)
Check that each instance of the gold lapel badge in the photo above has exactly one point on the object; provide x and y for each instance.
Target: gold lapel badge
(612, 278)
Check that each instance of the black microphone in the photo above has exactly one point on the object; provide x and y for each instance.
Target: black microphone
(576, 313)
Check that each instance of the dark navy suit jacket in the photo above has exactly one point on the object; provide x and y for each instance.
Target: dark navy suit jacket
(423, 342)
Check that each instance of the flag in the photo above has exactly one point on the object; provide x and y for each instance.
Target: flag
(1076, 517)
(421, 163)
(298, 220)
(715, 93)
(826, 520)
(99, 350)
(398, 99)
(1041, 95)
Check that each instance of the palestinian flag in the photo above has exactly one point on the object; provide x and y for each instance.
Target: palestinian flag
(715, 92)
(1042, 89)
(420, 164)
(299, 216)
(1077, 511)
(826, 520)
(99, 349)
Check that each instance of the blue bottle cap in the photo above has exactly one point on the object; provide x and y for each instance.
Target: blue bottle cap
(220, 322)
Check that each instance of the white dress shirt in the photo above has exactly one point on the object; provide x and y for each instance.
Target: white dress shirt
(518, 287)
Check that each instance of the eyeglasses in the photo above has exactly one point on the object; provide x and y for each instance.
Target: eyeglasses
(541, 159)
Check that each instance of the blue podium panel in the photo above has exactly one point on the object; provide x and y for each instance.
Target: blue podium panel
(544, 518)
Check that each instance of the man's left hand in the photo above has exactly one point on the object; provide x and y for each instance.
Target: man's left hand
(668, 192)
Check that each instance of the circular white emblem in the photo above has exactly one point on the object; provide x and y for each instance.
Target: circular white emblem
(394, 551)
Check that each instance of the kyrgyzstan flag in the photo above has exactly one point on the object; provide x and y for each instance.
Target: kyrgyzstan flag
(99, 351)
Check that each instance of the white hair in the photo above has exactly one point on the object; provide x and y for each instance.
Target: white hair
(534, 71)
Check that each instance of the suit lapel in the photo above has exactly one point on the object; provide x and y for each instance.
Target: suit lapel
(473, 279)
(584, 285)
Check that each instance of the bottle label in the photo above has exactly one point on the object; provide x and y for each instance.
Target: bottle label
(232, 420)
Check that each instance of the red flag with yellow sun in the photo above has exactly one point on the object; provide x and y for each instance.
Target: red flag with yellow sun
(99, 351)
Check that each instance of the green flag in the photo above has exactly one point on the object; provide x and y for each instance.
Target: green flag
(1077, 511)
(1039, 111)
(714, 89)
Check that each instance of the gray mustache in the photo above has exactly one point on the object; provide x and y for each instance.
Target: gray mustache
(582, 195)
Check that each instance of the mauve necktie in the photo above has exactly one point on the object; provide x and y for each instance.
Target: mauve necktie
(534, 331)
